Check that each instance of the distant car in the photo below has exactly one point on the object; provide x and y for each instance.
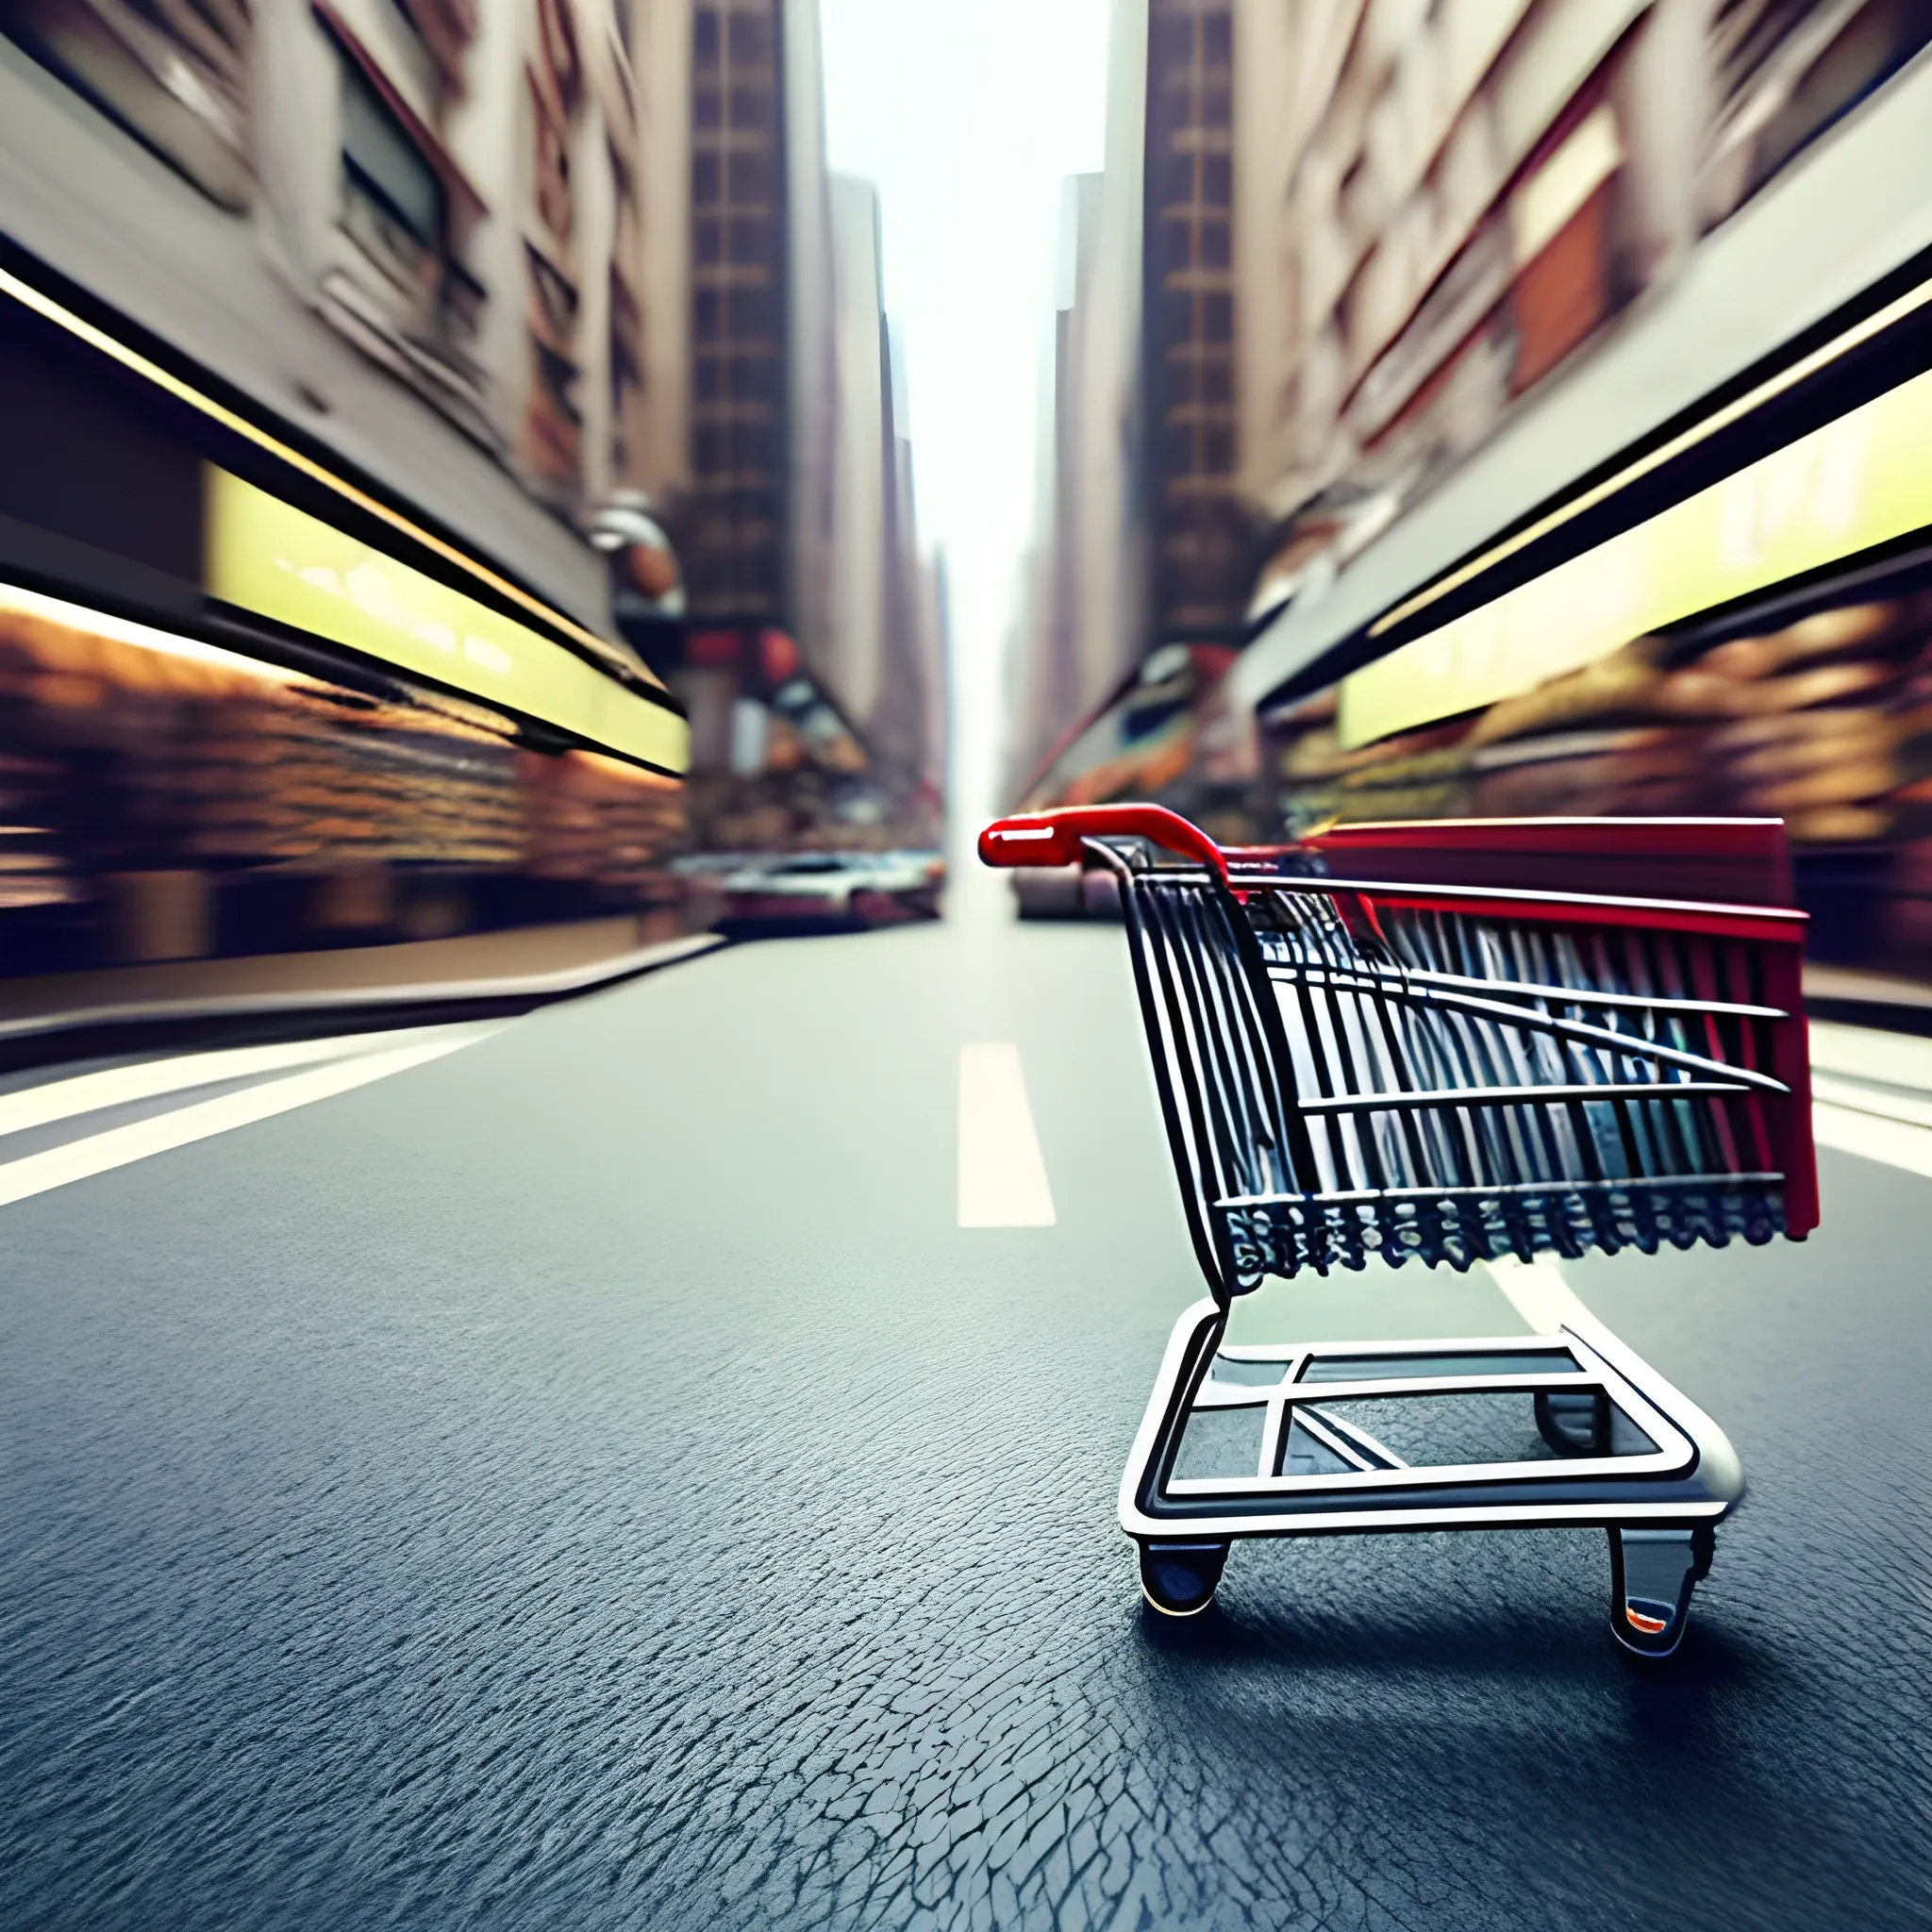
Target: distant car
(842, 889)
(710, 865)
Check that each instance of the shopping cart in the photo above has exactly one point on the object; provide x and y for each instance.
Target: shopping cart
(1451, 1043)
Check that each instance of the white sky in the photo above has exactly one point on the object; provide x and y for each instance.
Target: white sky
(967, 114)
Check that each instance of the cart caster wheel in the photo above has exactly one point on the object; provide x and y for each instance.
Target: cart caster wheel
(1180, 1579)
(1653, 1572)
(1575, 1421)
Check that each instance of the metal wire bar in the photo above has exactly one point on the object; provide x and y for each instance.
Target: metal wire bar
(1358, 1080)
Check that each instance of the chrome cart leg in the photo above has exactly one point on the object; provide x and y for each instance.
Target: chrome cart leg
(1180, 1579)
(1653, 1572)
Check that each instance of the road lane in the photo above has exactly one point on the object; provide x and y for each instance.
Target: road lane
(592, 1480)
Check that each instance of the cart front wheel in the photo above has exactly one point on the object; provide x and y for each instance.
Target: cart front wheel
(1180, 1579)
(1653, 1572)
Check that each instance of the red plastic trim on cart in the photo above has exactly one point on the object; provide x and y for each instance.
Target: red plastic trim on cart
(1053, 838)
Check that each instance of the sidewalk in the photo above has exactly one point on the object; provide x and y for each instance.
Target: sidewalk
(530, 963)
(1868, 999)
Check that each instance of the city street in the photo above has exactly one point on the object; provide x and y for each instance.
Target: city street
(586, 1476)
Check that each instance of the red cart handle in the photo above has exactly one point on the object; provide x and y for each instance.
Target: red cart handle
(1053, 838)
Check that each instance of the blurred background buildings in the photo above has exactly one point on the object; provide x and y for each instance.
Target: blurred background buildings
(1450, 407)
(547, 305)
(1385, 313)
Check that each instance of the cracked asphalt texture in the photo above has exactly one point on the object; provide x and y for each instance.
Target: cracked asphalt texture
(590, 1482)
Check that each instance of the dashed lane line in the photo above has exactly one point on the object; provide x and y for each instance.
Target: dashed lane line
(1002, 1176)
(1538, 1291)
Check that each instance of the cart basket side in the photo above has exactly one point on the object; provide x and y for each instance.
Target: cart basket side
(1357, 1068)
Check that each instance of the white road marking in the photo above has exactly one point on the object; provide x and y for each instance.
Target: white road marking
(1874, 1136)
(1900, 1060)
(1876, 1122)
(61, 1100)
(1002, 1178)
(99, 1153)
(1854, 1096)
(1539, 1293)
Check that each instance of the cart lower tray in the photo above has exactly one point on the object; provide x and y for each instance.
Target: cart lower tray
(1567, 1430)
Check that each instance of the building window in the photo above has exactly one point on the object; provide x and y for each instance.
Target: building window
(751, 40)
(750, 239)
(749, 313)
(751, 179)
(394, 202)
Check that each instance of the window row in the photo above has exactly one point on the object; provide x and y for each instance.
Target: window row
(747, 317)
(1198, 449)
(749, 104)
(748, 181)
(1193, 179)
(745, 240)
(1195, 240)
(748, 452)
(1183, 35)
(1192, 315)
(754, 378)
(745, 37)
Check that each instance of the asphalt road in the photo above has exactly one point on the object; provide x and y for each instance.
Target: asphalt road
(590, 1481)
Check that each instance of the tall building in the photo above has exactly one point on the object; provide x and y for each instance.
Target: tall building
(1362, 232)
(853, 653)
(324, 339)
(450, 240)
(1085, 618)
(1059, 671)
(909, 704)
(1199, 535)
(804, 668)
(556, 274)
(1517, 380)
(733, 518)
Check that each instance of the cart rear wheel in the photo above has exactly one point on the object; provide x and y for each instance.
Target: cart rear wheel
(1575, 1421)
(1180, 1579)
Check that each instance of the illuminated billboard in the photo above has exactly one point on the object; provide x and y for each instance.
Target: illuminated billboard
(1859, 481)
(267, 556)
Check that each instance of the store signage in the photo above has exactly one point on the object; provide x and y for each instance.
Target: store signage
(265, 555)
(1859, 481)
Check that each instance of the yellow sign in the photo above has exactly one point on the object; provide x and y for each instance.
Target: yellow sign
(1858, 481)
(270, 558)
